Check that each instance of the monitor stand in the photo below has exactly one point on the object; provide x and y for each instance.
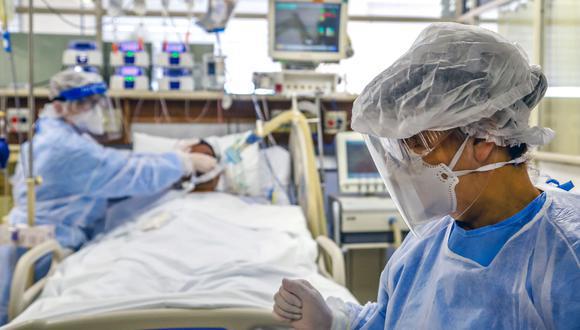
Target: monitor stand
(301, 66)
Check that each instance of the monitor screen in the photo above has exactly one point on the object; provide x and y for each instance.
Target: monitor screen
(307, 27)
(129, 46)
(176, 72)
(129, 71)
(360, 165)
(82, 45)
(174, 47)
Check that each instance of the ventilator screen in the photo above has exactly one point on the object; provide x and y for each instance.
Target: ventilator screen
(359, 162)
(307, 27)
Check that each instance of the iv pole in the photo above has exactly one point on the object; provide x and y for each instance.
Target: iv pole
(31, 180)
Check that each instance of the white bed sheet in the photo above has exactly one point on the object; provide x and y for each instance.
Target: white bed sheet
(205, 250)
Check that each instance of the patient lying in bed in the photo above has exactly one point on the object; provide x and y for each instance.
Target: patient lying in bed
(205, 148)
(201, 250)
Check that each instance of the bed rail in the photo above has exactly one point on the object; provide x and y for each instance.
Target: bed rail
(330, 254)
(225, 318)
(23, 291)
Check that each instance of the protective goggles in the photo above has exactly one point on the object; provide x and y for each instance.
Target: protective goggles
(405, 150)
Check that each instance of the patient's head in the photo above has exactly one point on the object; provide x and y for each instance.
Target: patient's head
(205, 148)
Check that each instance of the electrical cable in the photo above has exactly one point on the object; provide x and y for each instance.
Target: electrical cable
(124, 123)
(276, 179)
(165, 110)
(202, 113)
(73, 24)
(220, 112)
(266, 109)
(82, 18)
(176, 30)
(137, 109)
(219, 43)
(261, 117)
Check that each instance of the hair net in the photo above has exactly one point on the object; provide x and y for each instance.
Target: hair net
(70, 78)
(453, 76)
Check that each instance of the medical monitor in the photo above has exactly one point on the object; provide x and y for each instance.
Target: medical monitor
(356, 170)
(307, 31)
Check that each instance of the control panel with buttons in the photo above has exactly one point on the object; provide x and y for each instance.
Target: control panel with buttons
(17, 120)
(364, 219)
(298, 82)
(334, 121)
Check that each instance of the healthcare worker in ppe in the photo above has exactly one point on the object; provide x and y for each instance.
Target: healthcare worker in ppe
(447, 127)
(79, 175)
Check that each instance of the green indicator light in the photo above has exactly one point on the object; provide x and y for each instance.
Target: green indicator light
(175, 54)
(321, 30)
(130, 53)
(129, 78)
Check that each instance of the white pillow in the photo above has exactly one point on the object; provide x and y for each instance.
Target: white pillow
(152, 144)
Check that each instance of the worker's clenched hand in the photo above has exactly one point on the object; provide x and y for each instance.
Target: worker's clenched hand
(299, 303)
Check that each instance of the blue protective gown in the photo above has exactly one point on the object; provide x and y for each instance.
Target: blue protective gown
(78, 177)
(533, 282)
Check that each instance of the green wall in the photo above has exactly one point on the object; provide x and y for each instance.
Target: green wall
(47, 57)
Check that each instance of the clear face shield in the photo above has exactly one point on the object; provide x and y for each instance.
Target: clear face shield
(91, 111)
(423, 176)
(401, 167)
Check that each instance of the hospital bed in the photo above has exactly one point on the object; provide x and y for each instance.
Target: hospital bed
(309, 198)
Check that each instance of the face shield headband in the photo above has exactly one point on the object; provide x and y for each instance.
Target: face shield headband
(79, 93)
